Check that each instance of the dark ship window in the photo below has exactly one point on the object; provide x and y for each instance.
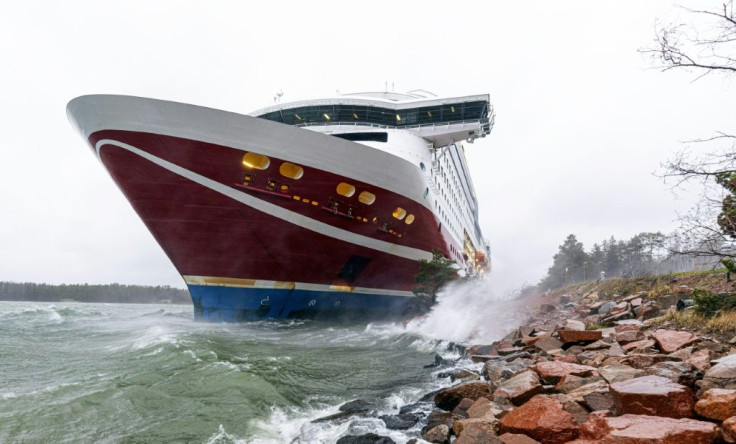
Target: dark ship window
(364, 137)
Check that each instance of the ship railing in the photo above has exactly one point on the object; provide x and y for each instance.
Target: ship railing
(485, 124)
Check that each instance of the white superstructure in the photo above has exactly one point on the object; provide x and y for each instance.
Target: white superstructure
(428, 131)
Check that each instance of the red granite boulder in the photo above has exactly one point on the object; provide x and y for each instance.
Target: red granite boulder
(639, 345)
(717, 404)
(475, 432)
(700, 359)
(520, 388)
(551, 372)
(653, 395)
(626, 336)
(642, 429)
(483, 407)
(543, 419)
(671, 340)
(729, 429)
(480, 424)
(516, 438)
(568, 336)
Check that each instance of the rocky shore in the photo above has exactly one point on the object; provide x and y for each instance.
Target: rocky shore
(583, 369)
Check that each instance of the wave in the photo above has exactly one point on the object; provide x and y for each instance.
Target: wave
(468, 312)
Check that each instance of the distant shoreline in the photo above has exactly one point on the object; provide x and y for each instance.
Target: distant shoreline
(110, 293)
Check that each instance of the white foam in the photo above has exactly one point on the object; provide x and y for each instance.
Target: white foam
(155, 335)
(468, 311)
(222, 437)
(232, 366)
(54, 316)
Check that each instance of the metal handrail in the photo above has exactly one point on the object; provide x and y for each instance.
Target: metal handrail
(479, 122)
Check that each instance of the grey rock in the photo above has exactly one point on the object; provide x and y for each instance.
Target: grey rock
(400, 422)
(368, 438)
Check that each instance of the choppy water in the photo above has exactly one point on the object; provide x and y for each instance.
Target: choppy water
(73, 372)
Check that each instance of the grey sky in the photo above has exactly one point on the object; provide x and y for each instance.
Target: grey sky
(582, 119)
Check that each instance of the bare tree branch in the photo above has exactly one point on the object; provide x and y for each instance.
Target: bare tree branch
(682, 46)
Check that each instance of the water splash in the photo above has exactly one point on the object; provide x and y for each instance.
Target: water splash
(470, 312)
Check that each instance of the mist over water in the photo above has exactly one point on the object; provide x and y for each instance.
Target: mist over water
(471, 312)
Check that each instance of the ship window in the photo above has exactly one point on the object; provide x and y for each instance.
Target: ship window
(399, 213)
(366, 198)
(257, 161)
(364, 136)
(291, 171)
(345, 189)
(328, 114)
(409, 219)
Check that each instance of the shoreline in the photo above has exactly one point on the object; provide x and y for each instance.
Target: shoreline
(583, 368)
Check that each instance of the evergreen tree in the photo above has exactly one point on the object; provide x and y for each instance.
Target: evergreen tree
(568, 264)
(434, 274)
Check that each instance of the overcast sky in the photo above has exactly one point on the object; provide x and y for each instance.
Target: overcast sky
(583, 120)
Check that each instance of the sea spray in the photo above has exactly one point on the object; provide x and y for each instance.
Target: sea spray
(470, 311)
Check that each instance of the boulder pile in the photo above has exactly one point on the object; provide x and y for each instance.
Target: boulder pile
(564, 377)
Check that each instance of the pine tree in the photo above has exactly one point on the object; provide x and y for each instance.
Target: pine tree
(434, 274)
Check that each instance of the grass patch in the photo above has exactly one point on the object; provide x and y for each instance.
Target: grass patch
(624, 287)
(697, 273)
(723, 323)
(594, 326)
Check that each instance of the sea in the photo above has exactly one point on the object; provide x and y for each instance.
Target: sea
(144, 373)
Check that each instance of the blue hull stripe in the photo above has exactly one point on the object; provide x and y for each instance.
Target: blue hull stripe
(230, 304)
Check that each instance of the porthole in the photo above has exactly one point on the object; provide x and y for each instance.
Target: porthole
(399, 213)
(291, 171)
(257, 161)
(409, 219)
(345, 189)
(366, 198)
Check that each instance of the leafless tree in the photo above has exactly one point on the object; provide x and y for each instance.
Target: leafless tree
(705, 45)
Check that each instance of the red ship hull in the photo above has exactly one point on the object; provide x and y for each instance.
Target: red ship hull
(274, 246)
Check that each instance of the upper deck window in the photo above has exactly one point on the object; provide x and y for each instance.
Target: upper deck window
(351, 114)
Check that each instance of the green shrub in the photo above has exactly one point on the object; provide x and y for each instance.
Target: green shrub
(708, 304)
(434, 274)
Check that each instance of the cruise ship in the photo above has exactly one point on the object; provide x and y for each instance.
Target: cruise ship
(310, 209)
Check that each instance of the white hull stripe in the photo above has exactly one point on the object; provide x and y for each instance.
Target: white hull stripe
(279, 285)
(274, 210)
